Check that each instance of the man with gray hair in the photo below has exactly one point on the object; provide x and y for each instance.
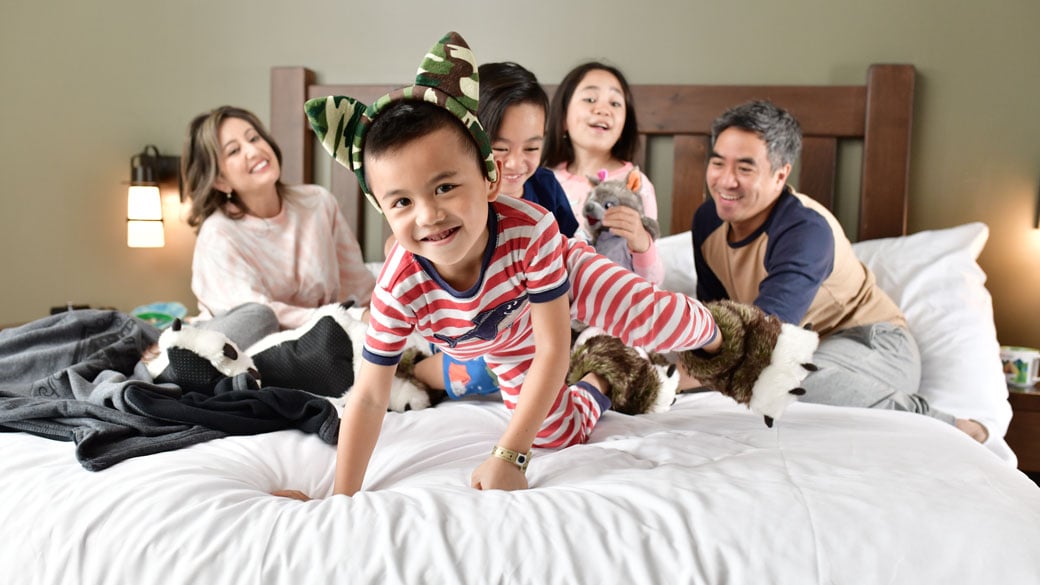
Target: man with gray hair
(757, 241)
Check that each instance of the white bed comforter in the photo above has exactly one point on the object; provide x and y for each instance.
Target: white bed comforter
(704, 493)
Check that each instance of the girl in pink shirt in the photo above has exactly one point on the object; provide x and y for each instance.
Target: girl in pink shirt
(592, 127)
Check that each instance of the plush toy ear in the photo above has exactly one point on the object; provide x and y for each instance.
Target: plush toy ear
(599, 177)
(634, 181)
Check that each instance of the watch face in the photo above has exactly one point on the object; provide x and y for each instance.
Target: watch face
(521, 459)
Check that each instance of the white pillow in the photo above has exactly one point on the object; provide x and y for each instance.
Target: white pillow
(676, 253)
(934, 278)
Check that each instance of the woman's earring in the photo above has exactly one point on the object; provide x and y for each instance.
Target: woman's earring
(228, 195)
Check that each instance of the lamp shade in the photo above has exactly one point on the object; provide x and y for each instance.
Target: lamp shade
(145, 234)
(144, 214)
(144, 202)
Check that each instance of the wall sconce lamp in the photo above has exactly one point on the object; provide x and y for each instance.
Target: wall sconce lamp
(1036, 223)
(144, 218)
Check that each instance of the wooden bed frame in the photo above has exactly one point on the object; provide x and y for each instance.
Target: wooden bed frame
(878, 114)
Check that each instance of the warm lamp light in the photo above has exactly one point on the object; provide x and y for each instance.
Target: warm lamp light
(144, 219)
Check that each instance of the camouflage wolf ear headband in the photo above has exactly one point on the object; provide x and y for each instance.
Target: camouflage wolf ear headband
(446, 77)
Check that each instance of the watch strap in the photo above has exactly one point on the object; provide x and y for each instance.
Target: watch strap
(515, 457)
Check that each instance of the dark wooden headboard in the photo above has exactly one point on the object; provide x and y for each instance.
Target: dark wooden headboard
(877, 114)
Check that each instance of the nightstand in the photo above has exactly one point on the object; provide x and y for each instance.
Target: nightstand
(1024, 433)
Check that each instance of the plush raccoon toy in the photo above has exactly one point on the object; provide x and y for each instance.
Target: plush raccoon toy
(606, 194)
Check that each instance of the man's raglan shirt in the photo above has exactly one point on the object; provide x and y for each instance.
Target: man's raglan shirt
(798, 266)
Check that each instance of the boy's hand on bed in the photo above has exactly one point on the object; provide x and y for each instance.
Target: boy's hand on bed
(498, 474)
(294, 494)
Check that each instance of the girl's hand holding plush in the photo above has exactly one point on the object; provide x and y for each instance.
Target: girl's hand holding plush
(628, 223)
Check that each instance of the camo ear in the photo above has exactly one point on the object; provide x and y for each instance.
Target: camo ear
(634, 181)
(335, 120)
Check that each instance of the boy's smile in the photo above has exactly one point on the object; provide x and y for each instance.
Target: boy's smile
(434, 195)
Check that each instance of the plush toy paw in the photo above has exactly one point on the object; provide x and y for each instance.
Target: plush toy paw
(407, 392)
(635, 384)
(668, 374)
(196, 359)
(762, 361)
(406, 395)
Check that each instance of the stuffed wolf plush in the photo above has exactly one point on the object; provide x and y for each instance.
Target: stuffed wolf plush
(604, 195)
(761, 364)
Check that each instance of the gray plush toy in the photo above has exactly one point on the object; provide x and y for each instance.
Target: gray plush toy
(606, 194)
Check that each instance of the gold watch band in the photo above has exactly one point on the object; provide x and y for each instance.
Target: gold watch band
(515, 457)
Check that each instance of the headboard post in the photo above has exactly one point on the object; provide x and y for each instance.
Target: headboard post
(886, 151)
(289, 123)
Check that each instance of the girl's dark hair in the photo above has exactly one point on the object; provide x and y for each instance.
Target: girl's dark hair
(503, 85)
(200, 164)
(558, 147)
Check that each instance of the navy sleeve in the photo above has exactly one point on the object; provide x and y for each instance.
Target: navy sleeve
(706, 221)
(543, 188)
(799, 257)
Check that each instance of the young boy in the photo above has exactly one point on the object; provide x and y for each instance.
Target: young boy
(481, 275)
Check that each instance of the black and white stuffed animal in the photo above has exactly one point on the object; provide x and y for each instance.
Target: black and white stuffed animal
(606, 194)
(321, 357)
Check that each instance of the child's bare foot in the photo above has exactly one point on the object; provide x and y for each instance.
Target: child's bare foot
(973, 428)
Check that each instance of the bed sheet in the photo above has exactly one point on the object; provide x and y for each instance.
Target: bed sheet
(704, 493)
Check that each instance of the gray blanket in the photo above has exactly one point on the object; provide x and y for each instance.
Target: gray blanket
(77, 376)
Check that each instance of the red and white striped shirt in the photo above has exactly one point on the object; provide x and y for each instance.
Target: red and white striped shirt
(527, 261)
(522, 264)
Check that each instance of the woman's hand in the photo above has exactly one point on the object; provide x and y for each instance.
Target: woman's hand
(498, 474)
(627, 223)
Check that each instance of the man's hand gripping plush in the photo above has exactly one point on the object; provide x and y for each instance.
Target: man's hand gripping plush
(762, 361)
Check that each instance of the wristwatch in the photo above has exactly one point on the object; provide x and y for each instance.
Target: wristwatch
(515, 457)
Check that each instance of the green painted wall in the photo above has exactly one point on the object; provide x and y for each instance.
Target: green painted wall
(83, 86)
